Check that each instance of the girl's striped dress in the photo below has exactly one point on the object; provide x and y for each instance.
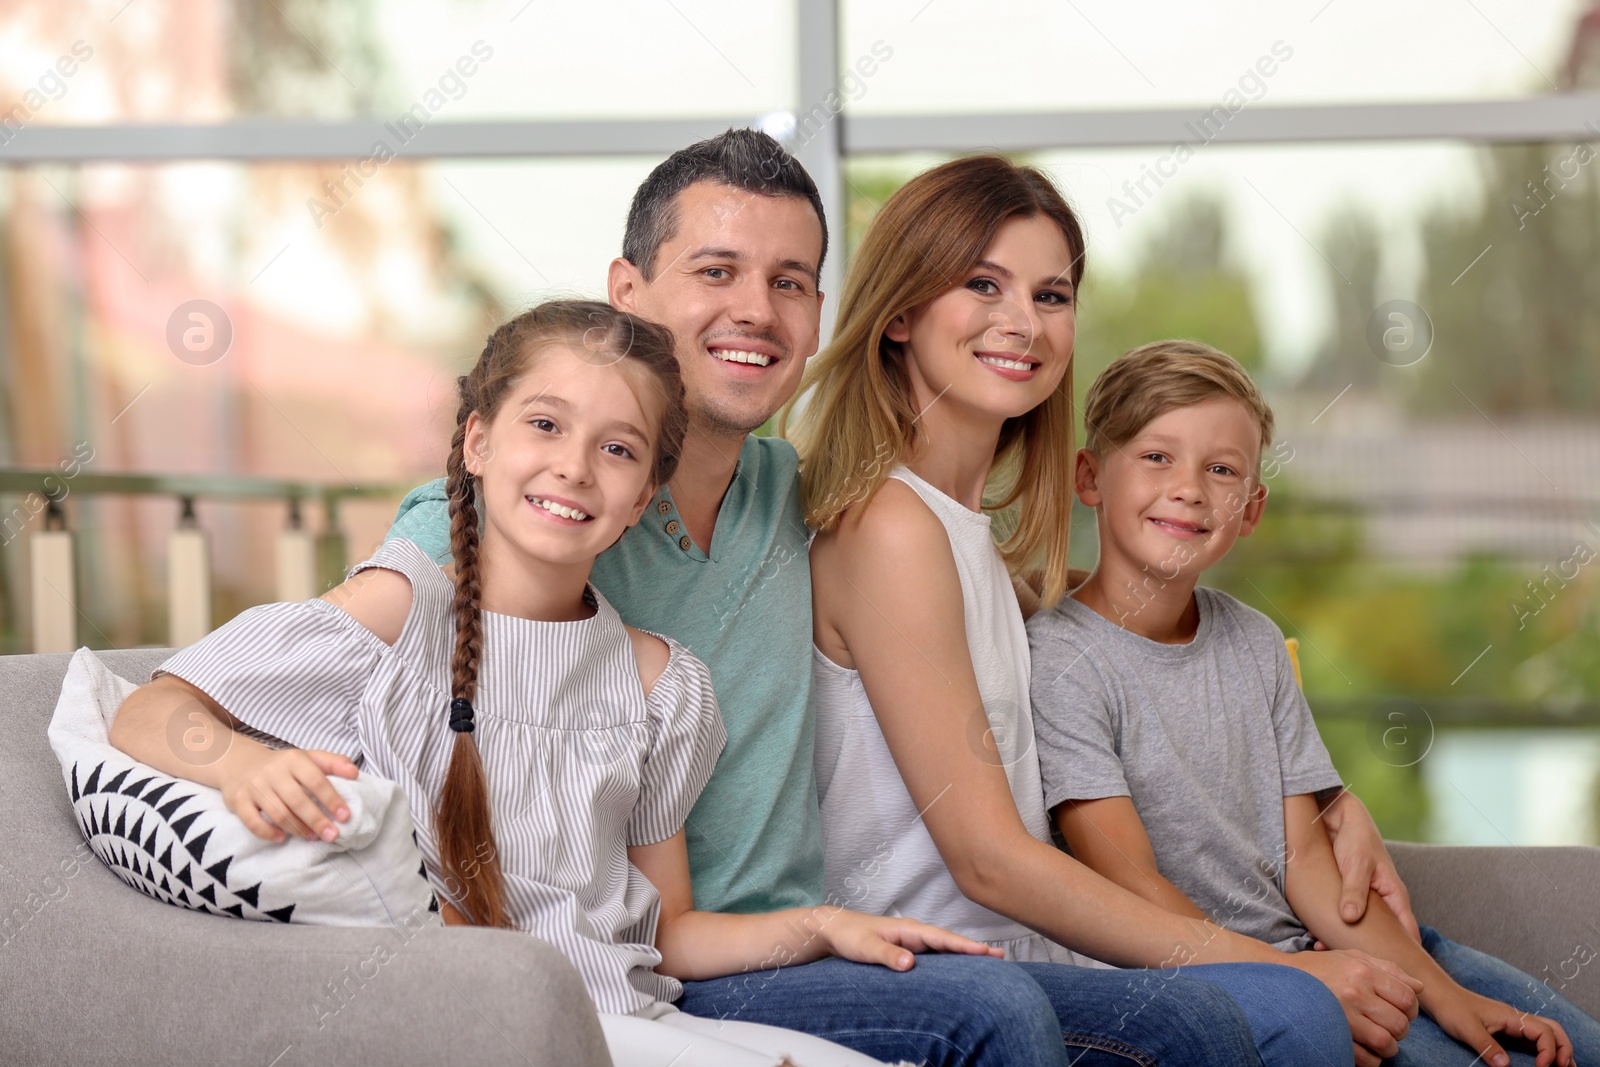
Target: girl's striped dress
(580, 763)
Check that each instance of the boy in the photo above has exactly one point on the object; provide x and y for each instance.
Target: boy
(1178, 755)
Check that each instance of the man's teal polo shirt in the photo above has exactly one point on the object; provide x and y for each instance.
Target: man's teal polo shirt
(755, 836)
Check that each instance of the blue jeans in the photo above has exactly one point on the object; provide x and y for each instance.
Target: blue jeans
(970, 1011)
(1210, 1013)
(1427, 1045)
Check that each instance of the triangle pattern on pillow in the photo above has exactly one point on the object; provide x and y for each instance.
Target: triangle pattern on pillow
(130, 849)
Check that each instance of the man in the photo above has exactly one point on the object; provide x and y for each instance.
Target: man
(724, 245)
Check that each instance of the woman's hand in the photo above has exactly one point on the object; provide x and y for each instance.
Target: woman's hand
(892, 942)
(1471, 1019)
(289, 787)
(1378, 998)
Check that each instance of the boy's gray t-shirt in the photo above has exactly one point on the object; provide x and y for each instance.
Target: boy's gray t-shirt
(1207, 738)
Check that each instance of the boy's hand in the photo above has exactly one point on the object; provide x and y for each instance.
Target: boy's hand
(1471, 1019)
(286, 786)
(1379, 999)
(892, 942)
(1364, 863)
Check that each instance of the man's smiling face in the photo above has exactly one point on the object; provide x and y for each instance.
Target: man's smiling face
(736, 283)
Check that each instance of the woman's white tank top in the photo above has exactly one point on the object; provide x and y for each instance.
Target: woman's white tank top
(879, 857)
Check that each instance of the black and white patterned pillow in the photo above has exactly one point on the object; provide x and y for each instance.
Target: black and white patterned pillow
(176, 840)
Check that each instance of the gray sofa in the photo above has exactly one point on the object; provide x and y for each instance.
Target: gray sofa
(92, 972)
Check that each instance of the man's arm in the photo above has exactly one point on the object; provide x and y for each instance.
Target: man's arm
(1363, 862)
(424, 520)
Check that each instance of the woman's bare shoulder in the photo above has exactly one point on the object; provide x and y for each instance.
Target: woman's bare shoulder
(894, 521)
(891, 550)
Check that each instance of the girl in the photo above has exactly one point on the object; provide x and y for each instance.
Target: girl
(550, 754)
(949, 370)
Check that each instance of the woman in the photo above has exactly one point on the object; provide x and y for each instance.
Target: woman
(949, 374)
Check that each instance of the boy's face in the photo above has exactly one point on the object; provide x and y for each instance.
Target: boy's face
(1173, 498)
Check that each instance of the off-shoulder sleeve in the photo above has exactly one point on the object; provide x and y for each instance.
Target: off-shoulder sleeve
(686, 737)
(296, 671)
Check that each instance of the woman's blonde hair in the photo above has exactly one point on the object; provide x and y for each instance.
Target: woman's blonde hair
(857, 421)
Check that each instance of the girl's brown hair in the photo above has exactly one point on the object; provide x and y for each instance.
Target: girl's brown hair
(462, 821)
(858, 421)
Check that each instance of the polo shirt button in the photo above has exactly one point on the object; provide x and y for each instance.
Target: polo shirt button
(664, 507)
(672, 526)
(683, 542)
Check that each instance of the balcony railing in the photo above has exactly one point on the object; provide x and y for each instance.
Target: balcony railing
(306, 564)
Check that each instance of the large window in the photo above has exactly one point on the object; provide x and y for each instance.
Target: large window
(1416, 293)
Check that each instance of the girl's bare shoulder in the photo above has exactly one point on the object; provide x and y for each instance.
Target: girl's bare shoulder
(378, 598)
(652, 654)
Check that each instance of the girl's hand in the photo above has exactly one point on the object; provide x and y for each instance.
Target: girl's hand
(1471, 1019)
(892, 942)
(288, 786)
(1378, 998)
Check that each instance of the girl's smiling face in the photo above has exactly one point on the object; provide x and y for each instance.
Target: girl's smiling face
(1001, 341)
(564, 466)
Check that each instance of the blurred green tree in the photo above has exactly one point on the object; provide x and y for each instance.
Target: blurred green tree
(1513, 287)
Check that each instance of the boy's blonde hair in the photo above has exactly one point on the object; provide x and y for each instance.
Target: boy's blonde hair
(1146, 383)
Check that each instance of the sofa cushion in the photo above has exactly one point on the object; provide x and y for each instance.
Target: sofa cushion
(177, 841)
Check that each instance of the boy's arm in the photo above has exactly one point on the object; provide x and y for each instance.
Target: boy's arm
(1312, 883)
(1364, 862)
(1358, 847)
(1108, 836)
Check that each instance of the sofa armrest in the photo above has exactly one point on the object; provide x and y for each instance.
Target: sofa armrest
(1536, 908)
(151, 983)
(93, 972)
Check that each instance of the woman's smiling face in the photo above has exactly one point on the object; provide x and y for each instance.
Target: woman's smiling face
(565, 464)
(1000, 342)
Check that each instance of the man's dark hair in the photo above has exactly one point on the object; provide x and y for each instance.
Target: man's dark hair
(743, 159)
